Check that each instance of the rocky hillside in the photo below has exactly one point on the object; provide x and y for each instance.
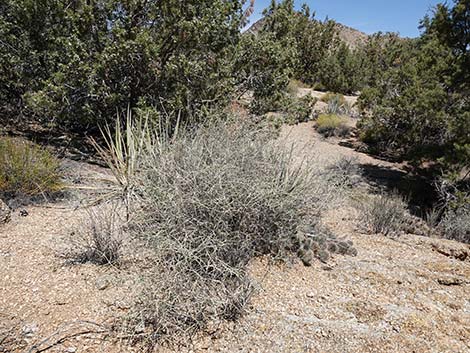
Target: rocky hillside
(351, 36)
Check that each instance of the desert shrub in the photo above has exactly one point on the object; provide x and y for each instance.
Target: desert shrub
(336, 97)
(451, 216)
(419, 109)
(384, 214)
(455, 224)
(210, 201)
(99, 237)
(298, 110)
(332, 125)
(346, 170)
(27, 169)
(263, 66)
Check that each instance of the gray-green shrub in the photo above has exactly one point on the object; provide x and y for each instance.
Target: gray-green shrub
(384, 214)
(210, 201)
(99, 237)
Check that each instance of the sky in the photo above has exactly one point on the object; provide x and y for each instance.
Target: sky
(368, 16)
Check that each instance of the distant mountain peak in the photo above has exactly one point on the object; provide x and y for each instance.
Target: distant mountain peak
(351, 36)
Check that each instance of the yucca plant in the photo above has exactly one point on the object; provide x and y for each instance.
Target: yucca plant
(338, 106)
(125, 146)
(122, 151)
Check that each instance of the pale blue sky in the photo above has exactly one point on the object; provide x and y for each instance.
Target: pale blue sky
(369, 16)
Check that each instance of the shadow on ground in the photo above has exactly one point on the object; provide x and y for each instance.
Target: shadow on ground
(419, 192)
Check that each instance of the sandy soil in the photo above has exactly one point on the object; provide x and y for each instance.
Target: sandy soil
(411, 294)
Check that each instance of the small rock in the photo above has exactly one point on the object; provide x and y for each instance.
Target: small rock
(102, 283)
(307, 257)
(5, 213)
(30, 329)
(450, 281)
(140, 328)
(24, 213)
(323, 256)
(71, 350)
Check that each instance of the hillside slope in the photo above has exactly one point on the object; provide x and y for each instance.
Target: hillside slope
(409, 294)
(350, 36)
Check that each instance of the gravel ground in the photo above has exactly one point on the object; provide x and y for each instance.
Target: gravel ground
(410, 294)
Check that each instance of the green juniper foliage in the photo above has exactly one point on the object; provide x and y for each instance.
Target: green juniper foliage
(76, 62)
(420, 109)
(73, 64)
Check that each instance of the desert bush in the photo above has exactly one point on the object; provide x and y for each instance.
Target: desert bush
(455, 225)
(336, 97)
(346, 171)
(210, 201)
(384, 214)
(27, 169)
(106, 55)
(99, 237)
(452, 213)
(418, 109)
(298, 110)
(332, 125)
(263, 66)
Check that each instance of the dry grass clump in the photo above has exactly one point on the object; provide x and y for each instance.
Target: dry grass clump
(455, 225)
(99, 237)
(384, 214)
(331, 96)
(332, 125)
(294, 86)
(346, 171)
(452, 217)
(27, 169)
(205, 202)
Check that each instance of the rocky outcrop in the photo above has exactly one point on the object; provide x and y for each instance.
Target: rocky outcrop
(351, 36)
(5, 213)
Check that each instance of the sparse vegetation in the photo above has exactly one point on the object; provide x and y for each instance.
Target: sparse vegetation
(384, 214)
(99, 238)
(332, 125)
(333, 97)
(27, 170)
(210, 201)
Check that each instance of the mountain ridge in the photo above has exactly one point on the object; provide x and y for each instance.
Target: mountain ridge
(351, 36)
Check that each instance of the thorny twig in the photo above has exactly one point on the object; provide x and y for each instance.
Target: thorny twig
(60, 335)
